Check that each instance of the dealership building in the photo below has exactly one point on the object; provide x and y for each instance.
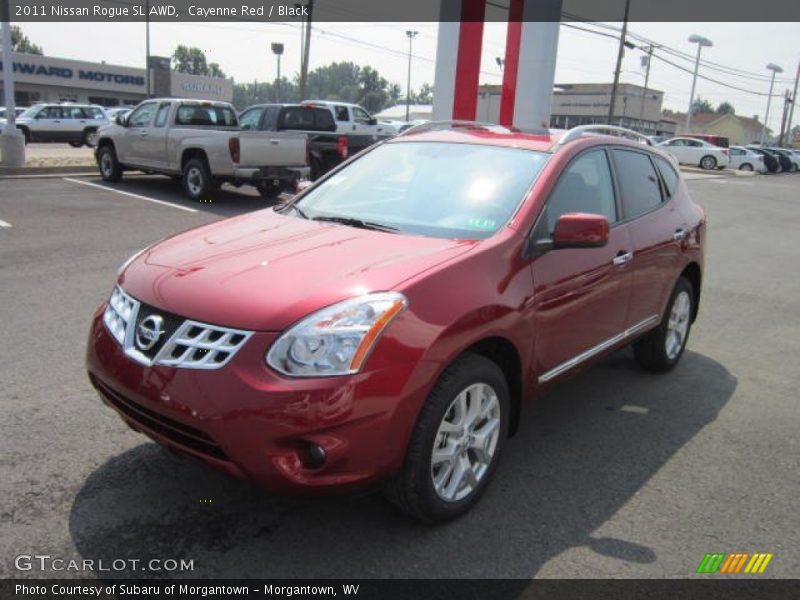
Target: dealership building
(49, 79)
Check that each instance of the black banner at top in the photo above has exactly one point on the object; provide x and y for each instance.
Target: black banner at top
(392, 10)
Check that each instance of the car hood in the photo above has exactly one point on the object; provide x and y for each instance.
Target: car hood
(264, 271)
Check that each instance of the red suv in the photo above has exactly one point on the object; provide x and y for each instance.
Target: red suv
(387, 324)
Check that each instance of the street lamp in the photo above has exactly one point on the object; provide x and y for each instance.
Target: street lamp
(775, 69)
(277, 50)
(500, 62)
(411, 35)
(700, 41)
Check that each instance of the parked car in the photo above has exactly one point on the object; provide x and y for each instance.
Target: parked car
(690, 151)
(793, 163)
(200, 142)
(75, 124)
(784, 163)
(18, 110)
(387, 324)
(118, 111)
(770, 160)
(352, 117)
(744, 159)
(718, 140)
(327, 148)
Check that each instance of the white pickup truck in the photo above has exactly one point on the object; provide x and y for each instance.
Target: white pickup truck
(353, 118)
(200, 142)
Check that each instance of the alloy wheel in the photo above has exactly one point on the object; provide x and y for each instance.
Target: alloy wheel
(465, 442)
(105, 164)
(678, 325)
(194, 181)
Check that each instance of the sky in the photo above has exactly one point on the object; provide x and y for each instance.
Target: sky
(243, 52)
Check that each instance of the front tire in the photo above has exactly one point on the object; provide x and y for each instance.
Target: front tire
(270, 191)
(197, 181)
(661, 349)
(110, 169)
(745, 167)
(709, 163)
(456, 443)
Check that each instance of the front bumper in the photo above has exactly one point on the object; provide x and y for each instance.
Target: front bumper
(254, 424)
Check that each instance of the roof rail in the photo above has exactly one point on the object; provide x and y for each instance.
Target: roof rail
(451, 124)
(576, 132)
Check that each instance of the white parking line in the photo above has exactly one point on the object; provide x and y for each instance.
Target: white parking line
(131, 194)
(4, 223)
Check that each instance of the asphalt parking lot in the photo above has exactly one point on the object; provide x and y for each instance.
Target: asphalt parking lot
(616, 473)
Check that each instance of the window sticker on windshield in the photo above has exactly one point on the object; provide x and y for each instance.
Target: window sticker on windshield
(482, 223)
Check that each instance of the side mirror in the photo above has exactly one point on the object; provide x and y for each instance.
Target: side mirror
(121, 120)
(581, 230)
(372, 121)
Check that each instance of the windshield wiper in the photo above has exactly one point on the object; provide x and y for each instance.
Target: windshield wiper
(297, 209)
(353, 222)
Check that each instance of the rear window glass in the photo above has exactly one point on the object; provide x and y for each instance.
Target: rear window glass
(668, 174)
(638, 182)
(210, 116)
(311, 119)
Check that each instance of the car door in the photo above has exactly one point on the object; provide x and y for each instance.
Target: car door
(362, 120)
(44, 127)
(73, 122)
(343, 119)
(657, 229)
(679, 150)
(131, 145)
(581, 295)
(153, 146)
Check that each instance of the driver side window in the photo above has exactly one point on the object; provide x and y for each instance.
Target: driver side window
(142, 116)
(585, 186)
(360, 116)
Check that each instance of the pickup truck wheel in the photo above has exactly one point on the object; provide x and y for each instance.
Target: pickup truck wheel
(197, 180)
(110, 169)
(455, 446)
(269, 190)
(662, 348)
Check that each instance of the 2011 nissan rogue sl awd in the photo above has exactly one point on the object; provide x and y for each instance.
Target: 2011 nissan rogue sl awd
(386, 325)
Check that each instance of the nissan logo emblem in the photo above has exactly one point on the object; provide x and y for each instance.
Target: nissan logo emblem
(149, 332)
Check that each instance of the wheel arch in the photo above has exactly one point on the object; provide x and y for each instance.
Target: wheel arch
(505, 355)
(192, 153)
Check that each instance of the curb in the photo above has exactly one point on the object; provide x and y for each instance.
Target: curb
(720, 172)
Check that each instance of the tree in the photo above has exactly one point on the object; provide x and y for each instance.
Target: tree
(191, 60)
(726, 108)
(20, 43)
(425, 94)
(701, 105)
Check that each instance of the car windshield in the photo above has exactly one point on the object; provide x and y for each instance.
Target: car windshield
(446, 190)
(31, 111)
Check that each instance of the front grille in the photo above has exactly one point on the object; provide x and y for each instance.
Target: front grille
(180, 343)
(175, 431)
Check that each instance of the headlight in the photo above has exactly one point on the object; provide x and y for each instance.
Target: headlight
(336, 340)
(124, 265)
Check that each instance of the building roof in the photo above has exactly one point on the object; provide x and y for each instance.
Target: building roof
(708, 119)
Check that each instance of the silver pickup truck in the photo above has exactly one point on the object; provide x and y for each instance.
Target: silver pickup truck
(200, 142)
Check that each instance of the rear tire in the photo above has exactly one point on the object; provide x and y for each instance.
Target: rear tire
(90, 138)
(110, 169)
(464, 424)
(708, 162)
(745, 167)
(197, 181)
(661, 349)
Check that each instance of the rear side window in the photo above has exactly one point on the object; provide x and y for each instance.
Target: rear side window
(638, 182)
(208, 116)
(668, 174)
(306, 118)
(586, 187)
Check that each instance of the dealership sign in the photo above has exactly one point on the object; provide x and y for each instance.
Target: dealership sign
(68, 73)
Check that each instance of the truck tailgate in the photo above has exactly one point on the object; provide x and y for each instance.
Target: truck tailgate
(272, 149)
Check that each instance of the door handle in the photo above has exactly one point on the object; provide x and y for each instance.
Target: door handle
(143, 132)
(622, 258)
(276, 142)
(680, 235)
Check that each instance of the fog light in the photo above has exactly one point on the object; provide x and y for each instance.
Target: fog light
(312, 455)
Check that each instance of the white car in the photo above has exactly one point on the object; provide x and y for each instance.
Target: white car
(690, 151)
(74, 124)
(17, 112)
(745, 159)
(352, 117)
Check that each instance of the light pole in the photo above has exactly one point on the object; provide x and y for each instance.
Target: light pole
(411, 35)
(700, 41)
(12, 142)
(775, 69)
(277, 50)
